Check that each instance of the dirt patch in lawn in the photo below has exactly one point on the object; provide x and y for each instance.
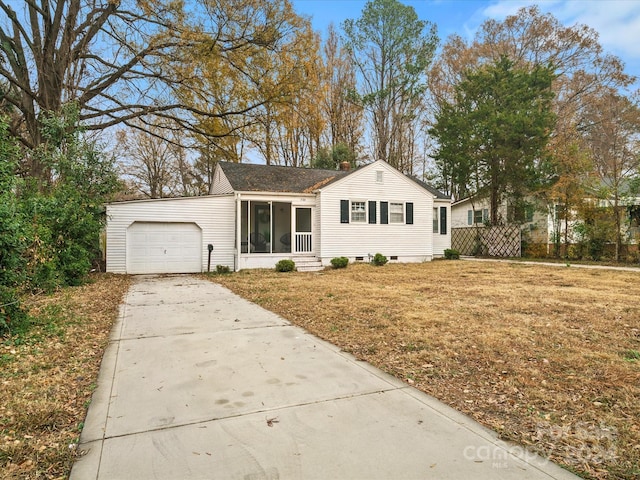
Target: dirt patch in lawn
(47, 376)
(548, 357)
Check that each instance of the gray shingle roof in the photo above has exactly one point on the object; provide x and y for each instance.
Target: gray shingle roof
(426, 186)
(249, 177)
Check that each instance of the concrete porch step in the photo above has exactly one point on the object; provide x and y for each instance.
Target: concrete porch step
(308, 264)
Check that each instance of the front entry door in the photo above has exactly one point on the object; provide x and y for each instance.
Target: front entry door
(303, 235)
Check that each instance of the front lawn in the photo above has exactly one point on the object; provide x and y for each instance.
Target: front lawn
(549, 357)
(48, 373)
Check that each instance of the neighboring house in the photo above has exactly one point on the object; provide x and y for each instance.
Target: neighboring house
(257, 215)
(541, 226)
(470, 212)
(630, 224)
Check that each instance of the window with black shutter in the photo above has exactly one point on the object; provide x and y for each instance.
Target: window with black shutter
(372, 211)
(384, 212)
(409, 208)
(344, 211)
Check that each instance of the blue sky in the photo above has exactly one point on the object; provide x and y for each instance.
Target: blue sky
(616, 21)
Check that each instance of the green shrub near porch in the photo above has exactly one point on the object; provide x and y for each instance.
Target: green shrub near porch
(339, 262)
(285, 266)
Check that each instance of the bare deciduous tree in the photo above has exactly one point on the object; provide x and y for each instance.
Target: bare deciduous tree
(117, 61)
(612, 131)
(154, 167)
(343, 114)
(531, 40)
(391, 49)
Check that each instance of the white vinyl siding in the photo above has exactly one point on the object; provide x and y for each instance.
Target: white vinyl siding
(213, 215)
(460, 212)
(220, 184)
(409, 242)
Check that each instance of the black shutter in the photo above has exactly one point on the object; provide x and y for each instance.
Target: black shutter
(344, 211)
(443, 220)
(372, 211)
(409, 207)
(384, 212)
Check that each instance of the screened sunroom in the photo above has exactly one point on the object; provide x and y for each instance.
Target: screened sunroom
(273, 227)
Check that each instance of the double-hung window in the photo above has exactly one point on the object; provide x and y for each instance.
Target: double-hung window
(436, 222)
(358, 212)
(396, 212)
(477, 216)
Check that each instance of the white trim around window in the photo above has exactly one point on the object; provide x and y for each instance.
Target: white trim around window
(396, 212)
(358, 211)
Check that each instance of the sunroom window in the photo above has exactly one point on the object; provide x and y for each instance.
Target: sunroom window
(265, 227)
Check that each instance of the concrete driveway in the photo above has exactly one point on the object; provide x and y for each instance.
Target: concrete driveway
(198, 383)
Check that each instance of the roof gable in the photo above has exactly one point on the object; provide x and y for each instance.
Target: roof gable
(250, 177)
(413, 181)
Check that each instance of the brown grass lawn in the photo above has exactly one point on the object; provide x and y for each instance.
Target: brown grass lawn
(549, 357)
(47, 376)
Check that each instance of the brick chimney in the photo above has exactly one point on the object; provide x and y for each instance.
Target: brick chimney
(345, 166)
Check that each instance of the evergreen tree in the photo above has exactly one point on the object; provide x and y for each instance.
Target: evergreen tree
(492, 137)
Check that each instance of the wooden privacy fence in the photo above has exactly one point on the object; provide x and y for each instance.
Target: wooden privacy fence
(499, 241)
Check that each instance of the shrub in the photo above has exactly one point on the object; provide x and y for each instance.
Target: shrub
(379, 260)
(340, 262)
(285, 266)
(12, 317)
(535, 250)
(222, 269)
(75, 263)
(451, 254)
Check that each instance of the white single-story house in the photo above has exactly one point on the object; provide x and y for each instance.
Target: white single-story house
(257, 215)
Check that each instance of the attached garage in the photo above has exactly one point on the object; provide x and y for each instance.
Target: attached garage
(154, 247)
(170, 235)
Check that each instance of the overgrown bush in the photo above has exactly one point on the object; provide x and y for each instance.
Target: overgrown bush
(451, 254)
(50, 224)
(285, 266)
(592, 238)
(222, 269)
(12, 317)
(535, 250)
(12, 236)
(339, 262)
(379, 260)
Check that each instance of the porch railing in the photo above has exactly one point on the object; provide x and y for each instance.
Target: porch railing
(303, 243)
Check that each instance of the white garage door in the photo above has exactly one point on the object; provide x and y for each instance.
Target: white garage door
(164, 248)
